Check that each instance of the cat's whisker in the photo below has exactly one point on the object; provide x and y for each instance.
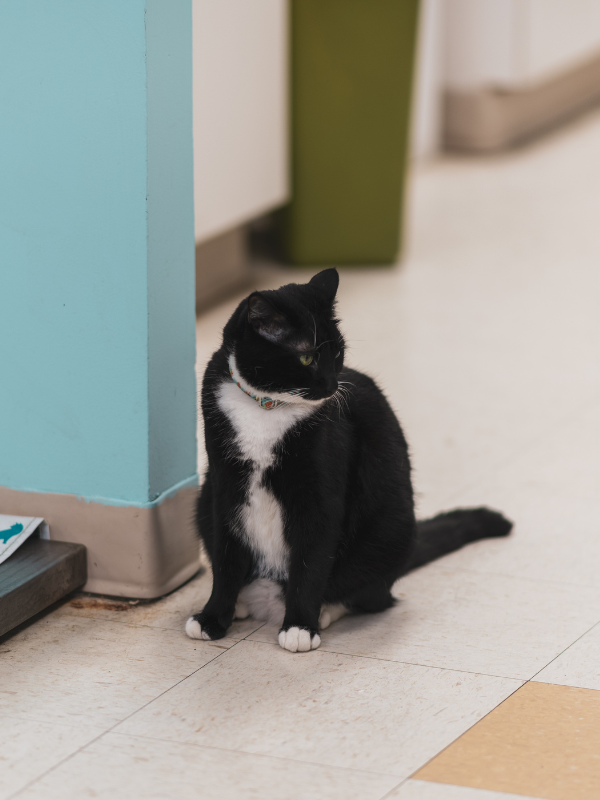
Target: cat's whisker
(329, 341)
(342, 400)
(337, 399)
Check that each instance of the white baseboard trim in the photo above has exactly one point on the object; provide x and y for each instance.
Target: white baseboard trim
(491, 119)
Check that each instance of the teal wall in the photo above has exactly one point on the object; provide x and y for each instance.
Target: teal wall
(97, 327)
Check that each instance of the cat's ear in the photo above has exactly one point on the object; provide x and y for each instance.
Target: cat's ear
(326, 283)
(266, 320)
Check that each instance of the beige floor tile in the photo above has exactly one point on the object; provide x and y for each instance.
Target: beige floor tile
(321, 707)
(425, 790)
(578, 666)
(95, 672)
(28, 748)
(543, 741)
(469, 621)
(134, 768)
(168, 612)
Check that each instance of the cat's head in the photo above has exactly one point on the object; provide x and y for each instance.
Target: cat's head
(286, 343)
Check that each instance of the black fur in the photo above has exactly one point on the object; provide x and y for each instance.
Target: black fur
(341, 476)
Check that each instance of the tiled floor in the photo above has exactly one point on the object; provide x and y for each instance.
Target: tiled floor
(485, 679)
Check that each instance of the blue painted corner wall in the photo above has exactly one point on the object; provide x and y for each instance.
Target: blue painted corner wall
(97, 324)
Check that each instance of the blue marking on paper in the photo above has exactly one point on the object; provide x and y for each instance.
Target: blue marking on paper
(10, 532)
(16, 530)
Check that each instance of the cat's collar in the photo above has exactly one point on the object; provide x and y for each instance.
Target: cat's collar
(263, 401)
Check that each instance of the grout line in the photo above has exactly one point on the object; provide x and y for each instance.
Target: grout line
(393, 789)
(322, 649)
(253, 632)
(112, 727)
(259, 755)
(568, 647)
(431, 666)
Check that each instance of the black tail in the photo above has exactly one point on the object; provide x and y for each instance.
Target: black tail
(450, 531)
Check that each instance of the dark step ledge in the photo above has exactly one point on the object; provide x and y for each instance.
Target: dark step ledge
(38, 574)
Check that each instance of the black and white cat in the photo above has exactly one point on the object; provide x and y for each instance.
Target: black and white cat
(307, 510)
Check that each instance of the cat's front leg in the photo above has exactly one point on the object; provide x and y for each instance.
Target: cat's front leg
(310, 566)
(231, 564)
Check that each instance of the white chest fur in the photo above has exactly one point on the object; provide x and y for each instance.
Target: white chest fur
(257, 432)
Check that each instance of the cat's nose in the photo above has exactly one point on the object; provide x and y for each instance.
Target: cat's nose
(331, 385)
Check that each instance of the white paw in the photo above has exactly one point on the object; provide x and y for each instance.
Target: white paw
(194, 631)
(241, 610)
(298, 640)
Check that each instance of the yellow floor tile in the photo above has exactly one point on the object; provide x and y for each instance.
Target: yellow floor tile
(544, 741)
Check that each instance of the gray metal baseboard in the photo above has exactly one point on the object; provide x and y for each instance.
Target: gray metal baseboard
(38, 574)
(132, 551)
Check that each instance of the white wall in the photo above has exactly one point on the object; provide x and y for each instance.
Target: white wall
(510, 43)
(240, 111)
(479, 42)
(561, 34)
(426, 105)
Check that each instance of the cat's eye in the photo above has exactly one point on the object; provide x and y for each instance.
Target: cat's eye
(306, 360)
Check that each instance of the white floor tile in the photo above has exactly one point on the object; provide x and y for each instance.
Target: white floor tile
(551, 492)
(28, 748)
(502, 282)
(554, 539)
(470, 621)
(425, 790)
(322, 708)
(578, 666)
(93, 672)
(132, 768)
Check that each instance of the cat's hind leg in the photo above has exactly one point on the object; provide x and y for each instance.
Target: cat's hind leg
(368, 600)
(331, 612)
(371, 599)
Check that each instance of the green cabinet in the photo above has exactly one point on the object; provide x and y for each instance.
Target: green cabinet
(351, 79)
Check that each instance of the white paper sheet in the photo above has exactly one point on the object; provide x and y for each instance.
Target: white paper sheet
(15, 530)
